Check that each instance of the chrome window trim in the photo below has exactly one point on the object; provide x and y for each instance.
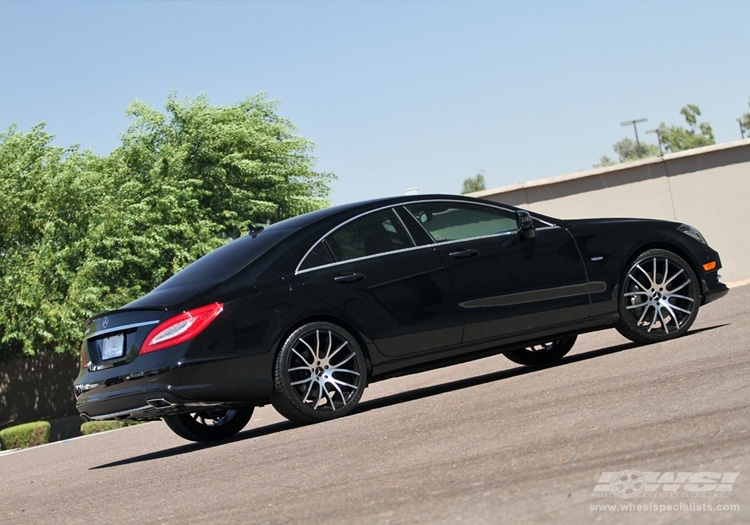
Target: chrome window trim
(477, 203)
(482, 237)
(297, 270)
(338, 263)
(404, 226)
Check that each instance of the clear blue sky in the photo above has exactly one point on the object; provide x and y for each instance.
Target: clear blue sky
(395, 94)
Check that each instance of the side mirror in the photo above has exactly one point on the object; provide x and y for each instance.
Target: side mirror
(525, 224)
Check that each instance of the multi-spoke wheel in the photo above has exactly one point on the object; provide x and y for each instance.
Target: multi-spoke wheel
(659, 298)
(209, 425)
(542, 354)
(319, 374)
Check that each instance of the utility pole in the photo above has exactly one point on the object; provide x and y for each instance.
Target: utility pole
(658, 138)
(634, 122)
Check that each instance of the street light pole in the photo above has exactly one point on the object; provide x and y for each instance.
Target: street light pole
(634, 122)
(658, 139)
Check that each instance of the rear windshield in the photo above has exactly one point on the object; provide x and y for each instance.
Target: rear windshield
(226, 261)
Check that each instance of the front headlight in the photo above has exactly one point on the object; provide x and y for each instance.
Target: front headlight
(692, 232)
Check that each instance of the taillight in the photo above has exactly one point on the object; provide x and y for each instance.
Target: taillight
(181, 328)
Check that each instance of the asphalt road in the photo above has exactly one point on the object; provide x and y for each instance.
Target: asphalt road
(484, 442)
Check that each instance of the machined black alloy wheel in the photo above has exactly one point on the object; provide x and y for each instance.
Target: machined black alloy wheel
(320, 374)
(209, 425)
(542, 354)
(660, 297)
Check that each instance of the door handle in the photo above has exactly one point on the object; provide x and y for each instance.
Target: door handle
(463, 254)
(349, 277)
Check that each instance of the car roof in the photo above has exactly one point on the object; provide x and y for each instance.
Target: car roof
(353, 208)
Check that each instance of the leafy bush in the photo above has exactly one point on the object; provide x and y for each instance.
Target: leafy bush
(25, 436)
(94, 427)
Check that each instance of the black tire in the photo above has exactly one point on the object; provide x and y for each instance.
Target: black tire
(543, 354)
(210, 425)
(659, 297)
(319, 374)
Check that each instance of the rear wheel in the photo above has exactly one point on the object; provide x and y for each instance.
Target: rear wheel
(659, 298)
(542, 354)
(209, 425)
(320, 374)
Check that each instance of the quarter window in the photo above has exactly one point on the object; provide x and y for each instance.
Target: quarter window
(318, 256)
(452, 221)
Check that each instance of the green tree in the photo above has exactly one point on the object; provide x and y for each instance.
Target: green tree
(48, 196)
(473, 184)
(678, 138)
(628, 150)
(672, 139)
(191, 180)
(82, 233)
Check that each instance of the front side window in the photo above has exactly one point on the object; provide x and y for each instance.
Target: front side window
(452, 221)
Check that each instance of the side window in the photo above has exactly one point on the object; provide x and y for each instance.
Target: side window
(377, 232)
(451, 221)
(318, 256)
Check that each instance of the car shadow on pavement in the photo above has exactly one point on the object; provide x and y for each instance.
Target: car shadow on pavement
(412, 395)
(194, 447)
(519, 370)
(394, 399)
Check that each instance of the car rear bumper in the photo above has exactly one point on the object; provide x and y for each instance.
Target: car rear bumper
(163, 384)
(156, 401)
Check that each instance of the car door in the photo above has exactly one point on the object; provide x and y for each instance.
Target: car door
(399, 295)
(506, 284)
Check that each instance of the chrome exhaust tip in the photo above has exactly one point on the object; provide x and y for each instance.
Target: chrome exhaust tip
(160, 403)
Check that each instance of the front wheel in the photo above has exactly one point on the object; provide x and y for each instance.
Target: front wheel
(543, 354)
(319, 374)
(659, 297)
(209, 425)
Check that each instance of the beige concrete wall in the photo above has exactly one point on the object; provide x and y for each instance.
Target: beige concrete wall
(708, 188)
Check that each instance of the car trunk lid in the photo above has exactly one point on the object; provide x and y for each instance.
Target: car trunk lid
(114, 338)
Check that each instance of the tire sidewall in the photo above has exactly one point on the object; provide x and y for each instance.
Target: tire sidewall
(628, 326)
(185, 426)
(285, 398)
(560, 348)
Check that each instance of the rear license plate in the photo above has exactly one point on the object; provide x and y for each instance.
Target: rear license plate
(113, 346)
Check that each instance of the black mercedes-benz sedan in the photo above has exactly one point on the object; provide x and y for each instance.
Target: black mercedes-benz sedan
(306, 312)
